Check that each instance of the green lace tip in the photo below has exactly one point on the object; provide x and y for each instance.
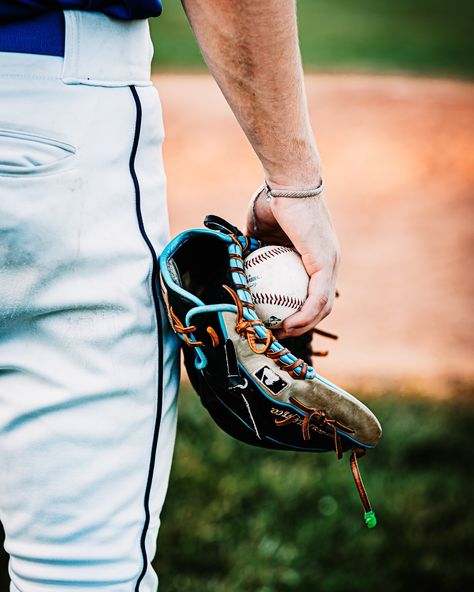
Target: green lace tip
(370, 519)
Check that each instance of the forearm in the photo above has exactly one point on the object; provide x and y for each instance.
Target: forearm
(251, 48)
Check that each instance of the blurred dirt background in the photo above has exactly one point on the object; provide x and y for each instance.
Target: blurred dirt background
(398, 159)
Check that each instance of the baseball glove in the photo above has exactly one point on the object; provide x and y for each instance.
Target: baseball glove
(253, 386)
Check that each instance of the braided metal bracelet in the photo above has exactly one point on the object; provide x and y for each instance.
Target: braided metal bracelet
(294, 193)
(269, 193)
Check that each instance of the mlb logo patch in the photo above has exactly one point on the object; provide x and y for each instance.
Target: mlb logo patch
(270, 379)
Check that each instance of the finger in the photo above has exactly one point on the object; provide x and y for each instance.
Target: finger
(317, 306)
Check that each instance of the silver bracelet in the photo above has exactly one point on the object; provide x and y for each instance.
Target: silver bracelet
(269, 192)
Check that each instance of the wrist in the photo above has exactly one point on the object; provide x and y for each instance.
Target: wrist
(295, 180)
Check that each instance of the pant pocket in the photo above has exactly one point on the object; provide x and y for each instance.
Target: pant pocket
(25, 152)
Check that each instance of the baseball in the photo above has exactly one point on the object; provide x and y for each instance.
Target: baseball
(278, 283)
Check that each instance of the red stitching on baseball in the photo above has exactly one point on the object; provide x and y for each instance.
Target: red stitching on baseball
(278, 299)
(261, 257)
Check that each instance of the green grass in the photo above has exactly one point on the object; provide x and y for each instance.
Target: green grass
(241, 519)
(426, 36)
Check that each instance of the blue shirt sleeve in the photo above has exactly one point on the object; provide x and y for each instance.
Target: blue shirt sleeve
(14, 10)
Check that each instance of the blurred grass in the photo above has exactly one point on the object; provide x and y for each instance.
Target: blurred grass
(426, 36)
(241, 519)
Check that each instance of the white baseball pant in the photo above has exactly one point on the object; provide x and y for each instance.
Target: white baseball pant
(88, 365)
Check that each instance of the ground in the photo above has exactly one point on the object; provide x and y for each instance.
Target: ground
(398, 159)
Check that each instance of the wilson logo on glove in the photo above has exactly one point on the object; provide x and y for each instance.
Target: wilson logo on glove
(210, 308)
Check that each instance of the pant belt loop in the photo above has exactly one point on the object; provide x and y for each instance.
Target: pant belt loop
(102, 51)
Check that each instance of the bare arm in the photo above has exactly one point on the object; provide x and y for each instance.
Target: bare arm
(251, 48)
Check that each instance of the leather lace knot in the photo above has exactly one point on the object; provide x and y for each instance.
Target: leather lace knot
(183, 330)
(319, 417)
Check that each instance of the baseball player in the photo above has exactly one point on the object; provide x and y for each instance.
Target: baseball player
(88, 364)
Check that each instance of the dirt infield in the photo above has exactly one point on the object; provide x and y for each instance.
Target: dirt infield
(399, 166)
